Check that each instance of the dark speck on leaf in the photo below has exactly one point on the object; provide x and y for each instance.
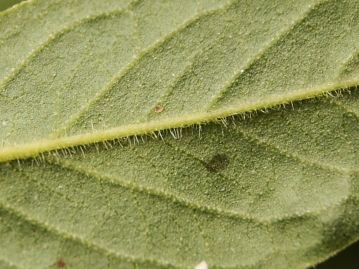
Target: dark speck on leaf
(218, 163)
(159, 108)
(60, 263)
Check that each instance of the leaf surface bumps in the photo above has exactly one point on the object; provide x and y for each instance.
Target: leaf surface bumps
(273, 190)
(101, 74)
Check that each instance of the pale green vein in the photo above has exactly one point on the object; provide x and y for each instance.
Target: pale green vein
(345, 107)
(34, 12)
(285, 193)
(256, 57)
(298, 157)
(244, 68)
(68, 236)
(52, 38)
(169, 197)
(89, 244)
(16, 7)
(170, 89)
(110, 87)
(35, 147)
(38, 147)
(73, 237)
(145, 52)
(289, 155)
(47, 225)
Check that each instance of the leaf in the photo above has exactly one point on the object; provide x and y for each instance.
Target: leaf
(104, 76)
(258, 194)
(8, 3)
(277, 190)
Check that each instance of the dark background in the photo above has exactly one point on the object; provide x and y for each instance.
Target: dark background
(347, 259)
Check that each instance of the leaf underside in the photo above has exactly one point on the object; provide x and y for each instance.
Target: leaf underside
(102, 74)
(273, 190)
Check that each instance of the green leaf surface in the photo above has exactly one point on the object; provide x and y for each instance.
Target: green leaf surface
(247, 196)
(5, 4)
(104, 71)
(273, 190)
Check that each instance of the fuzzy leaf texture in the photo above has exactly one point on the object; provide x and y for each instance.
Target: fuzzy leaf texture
(274, 190)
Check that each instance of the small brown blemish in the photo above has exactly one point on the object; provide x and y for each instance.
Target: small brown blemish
(61, 263)
(159, 109)
(218, 163)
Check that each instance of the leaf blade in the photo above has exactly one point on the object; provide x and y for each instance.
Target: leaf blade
(276, 191)
(295, 226)
(108, 114)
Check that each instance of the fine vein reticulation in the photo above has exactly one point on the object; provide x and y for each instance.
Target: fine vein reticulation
(246, 196)
(276, 190)
(101, 75)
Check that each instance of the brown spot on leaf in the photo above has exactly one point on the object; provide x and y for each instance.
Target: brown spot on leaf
(159, 109)
(218, 163)
(61, 263)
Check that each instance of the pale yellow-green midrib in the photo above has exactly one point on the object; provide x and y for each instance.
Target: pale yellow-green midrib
(32, 149)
